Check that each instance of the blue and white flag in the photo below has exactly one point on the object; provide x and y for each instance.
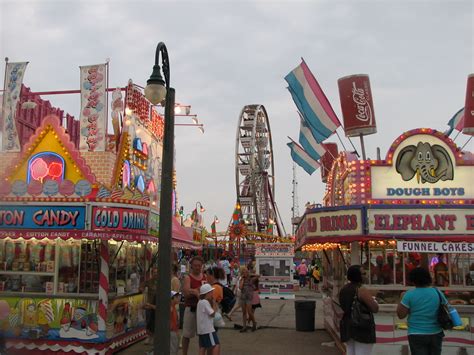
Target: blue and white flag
(456, 122)
(302, 158)
(311, 101)
(309, 143)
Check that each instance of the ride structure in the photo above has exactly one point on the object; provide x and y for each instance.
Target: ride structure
(255, 171)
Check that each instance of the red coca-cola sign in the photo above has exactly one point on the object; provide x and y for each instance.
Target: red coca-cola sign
(469, 107)
(327, 159)
(357, 106)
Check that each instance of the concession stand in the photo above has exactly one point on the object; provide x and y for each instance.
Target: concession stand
(414, 208)
(79, 227)
(274, 264)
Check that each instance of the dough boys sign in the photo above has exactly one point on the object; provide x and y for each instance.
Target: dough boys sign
(423, 166)
(421, 221)
(44, 217)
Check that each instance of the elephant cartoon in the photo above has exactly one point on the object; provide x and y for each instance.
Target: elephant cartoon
(430, 163)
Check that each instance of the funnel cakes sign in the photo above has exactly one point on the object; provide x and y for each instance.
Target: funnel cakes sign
(423, 164)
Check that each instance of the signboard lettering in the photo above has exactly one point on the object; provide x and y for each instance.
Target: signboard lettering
(119, 218)
(416, 221)
(45, 217)
(277, 249)
(328, 223)
(434, 247)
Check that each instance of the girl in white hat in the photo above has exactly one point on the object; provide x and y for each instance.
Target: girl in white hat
(205, 312)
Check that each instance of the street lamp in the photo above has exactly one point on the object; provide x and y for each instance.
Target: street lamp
(202, 207)
(156, 92)
(216, 220)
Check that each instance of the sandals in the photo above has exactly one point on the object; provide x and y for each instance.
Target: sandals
(243, 330)
(254, 327)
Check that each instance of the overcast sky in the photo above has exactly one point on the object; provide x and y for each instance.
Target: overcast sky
(227, 54)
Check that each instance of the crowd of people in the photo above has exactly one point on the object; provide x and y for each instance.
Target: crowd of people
(208, 292)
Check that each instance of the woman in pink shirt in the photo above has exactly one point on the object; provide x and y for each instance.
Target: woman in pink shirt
(302, 272)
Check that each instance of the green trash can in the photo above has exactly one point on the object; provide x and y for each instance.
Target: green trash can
(304, 314)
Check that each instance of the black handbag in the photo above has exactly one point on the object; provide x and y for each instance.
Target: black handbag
(444, 318)
(361, 316)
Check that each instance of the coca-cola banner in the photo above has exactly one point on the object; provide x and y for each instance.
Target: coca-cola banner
(327, 159)
(357, 105)
(469, 107)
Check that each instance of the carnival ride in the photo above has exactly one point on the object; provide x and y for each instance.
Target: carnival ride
(255, 171)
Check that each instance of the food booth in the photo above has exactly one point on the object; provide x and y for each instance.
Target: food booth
(274, 264)
(79, 232)
(392, 215)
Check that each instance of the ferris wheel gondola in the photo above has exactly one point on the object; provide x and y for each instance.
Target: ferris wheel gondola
(254, 170)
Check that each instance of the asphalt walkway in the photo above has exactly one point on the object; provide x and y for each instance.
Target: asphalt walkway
(276, 333)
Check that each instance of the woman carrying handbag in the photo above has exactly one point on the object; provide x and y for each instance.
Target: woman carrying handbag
(357, 325)
(421, 305)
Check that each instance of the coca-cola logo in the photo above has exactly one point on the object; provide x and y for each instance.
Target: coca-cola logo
(364, 111)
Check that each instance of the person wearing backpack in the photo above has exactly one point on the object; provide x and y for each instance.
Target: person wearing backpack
(222, 294)
(359, 340)
(421, 304)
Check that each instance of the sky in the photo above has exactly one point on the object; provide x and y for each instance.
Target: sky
(228, 54)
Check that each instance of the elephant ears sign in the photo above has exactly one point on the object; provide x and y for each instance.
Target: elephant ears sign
(430, 163)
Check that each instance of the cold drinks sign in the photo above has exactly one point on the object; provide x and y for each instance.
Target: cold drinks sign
(329, 223)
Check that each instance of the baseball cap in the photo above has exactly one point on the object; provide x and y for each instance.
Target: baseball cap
(206, 288)
(174, 293)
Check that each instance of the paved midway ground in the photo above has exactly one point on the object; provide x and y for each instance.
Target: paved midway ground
(276, 334)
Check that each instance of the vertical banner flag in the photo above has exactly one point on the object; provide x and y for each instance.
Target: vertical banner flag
(302, 158)
(468, 126)
(213, 227)
(236, 216)
(93, 120)
(456, 122)
(311, 101)
(13, 80)
(309, 143)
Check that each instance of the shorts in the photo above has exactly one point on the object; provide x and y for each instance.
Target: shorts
(174, 343)
(209, 340)
(244, 301)
(189, 323)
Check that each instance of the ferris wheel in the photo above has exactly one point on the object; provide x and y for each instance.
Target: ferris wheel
(254, 170)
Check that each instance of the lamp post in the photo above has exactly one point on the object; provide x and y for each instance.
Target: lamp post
(202, 209)
(216, 220)
(155, 92)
